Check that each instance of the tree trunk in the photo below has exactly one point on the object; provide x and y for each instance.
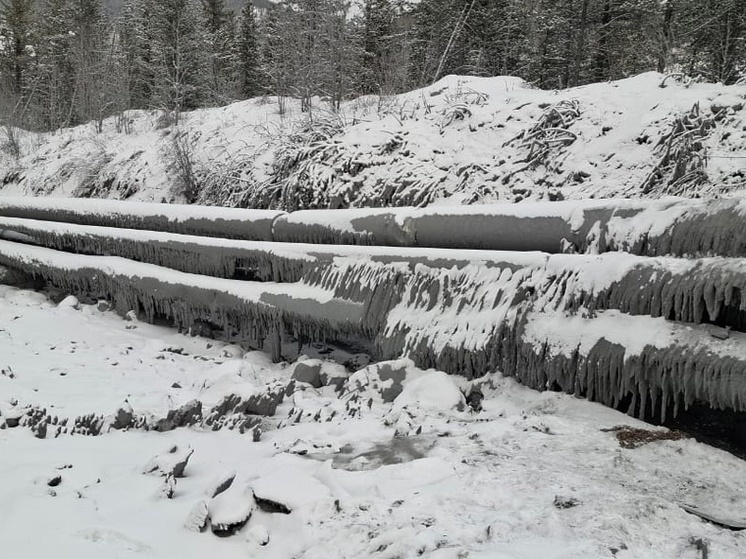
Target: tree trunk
(666, 36)
(601, 65)
(580, 46)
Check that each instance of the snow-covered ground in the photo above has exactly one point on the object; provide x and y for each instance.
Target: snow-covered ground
(532, 475)
(460, 140)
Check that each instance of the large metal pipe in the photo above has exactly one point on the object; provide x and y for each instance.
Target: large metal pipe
(651, 228)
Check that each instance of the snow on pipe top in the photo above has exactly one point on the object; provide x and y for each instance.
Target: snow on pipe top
(670, 226)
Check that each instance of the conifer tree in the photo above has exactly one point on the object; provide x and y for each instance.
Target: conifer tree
(16, 43)
(223, 51)
(136, 51)
(55, 70)
(180, 55)
(249, 54)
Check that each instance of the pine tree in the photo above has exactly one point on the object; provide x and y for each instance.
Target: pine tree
(441, 32)
(136, 51)
(16, 44)
(88, 59)
(310, 50)
(249, 62)
(216, 15)
(223, 51)
(55, 70)
(713, 36)
(180, 50)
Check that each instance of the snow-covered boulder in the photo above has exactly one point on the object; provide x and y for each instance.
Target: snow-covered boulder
(288, 489)
(171, 463)
(434, 391)
(230, 510)
(308, 371)
(69, 302)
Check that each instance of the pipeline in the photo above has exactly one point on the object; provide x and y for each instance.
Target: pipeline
(518, 313)
(674, 227)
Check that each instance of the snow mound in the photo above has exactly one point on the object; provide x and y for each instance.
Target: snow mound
(289, 489)
(434, 391)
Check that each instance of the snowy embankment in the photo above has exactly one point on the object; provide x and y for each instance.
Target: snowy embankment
(378, 464)
(463, 139)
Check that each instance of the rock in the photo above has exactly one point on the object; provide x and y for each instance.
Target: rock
(303, 448)
(172, 463)
(308, 371)
(474, 398)
(358, 361)
(387, 378)
(230, 510)
(188, 414)
(123, 418)
(54, 481)
(565, 502)
(567, 247)
(258, 534)
(168, 489)
(12, 418)
(233, 352)
(40, 430)
(197, 519)
(90, 424)
(287, 489)
(396, 372)
(221, 484)
(263, 404)
(333, 374)
(69, 302)
(717, 332)
(435, 391)
(103, 305)
(131, 316)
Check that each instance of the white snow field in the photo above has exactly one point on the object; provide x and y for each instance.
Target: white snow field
(460, 140)
(345, 473)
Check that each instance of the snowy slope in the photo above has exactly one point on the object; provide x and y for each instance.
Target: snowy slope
(463, 140)
(531, 475)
